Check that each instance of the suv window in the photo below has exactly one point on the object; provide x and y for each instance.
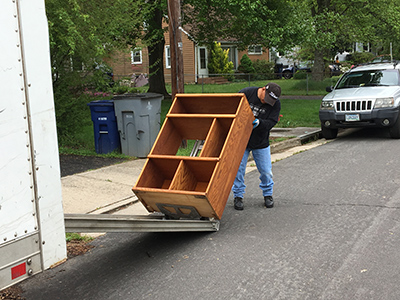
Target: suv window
(369, 78)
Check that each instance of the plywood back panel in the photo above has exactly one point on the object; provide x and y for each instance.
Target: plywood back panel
(192, 128)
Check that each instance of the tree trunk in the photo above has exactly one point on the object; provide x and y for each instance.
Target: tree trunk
(320, 52)
(319, 65)
(156, 63)
(155, 41)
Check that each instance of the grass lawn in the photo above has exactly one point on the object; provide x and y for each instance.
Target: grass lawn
(295, 112)
(289, 87)
(299, 113)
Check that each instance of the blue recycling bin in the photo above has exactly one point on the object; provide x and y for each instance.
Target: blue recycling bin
(106, 136)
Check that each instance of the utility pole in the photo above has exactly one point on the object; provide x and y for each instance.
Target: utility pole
(175, 38)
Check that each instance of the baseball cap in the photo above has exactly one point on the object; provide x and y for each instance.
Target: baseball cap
(272, 93)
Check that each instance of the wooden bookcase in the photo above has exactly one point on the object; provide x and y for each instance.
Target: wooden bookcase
(196, 186)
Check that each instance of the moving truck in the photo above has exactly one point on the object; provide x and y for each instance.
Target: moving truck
(32, 232)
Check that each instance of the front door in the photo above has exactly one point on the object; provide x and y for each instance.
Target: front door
(202, 62)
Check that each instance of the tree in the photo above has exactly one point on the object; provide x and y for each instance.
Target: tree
(87, 31)
(267, 23)
(82, 33)
(336, 24)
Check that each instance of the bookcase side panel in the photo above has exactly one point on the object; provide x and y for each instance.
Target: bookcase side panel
(231, 156)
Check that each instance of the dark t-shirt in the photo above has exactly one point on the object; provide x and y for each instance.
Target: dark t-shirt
(267, 114)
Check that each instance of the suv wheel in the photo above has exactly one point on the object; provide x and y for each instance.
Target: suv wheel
(287, 74)
(329, 133)
(395, 130)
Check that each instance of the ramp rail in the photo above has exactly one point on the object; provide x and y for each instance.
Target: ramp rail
(134, 223)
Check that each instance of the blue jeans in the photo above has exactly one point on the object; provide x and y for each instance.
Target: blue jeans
(262, 158)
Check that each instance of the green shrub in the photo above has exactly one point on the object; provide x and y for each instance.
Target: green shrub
(71, 116)
(218, 62)
(360, 57)
(120, 89)
(264, 69)
(101, 79)
(302, 74)
(246, 65)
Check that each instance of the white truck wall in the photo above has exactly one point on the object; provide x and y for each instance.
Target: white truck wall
(30, 184)
(48, 178)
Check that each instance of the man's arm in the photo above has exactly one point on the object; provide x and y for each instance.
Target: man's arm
(268, 123)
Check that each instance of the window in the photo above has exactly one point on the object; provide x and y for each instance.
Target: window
(203, 58)
(167, 57)
(255, 49)
(231, 55)
(136, 56)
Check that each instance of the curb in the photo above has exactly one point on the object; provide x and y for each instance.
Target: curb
(314, 135)
(293, 142)
(297, 141)
(281, 146)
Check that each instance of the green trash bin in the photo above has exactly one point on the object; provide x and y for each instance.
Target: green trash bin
(138, 121)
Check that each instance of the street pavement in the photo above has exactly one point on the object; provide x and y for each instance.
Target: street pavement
(109, 189)
(332, 234)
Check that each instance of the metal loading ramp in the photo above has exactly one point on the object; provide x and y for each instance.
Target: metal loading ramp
(126, 223)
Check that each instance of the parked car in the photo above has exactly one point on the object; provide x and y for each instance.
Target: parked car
(334, 70)
(288, 72)
(365, 96)
(382, 58)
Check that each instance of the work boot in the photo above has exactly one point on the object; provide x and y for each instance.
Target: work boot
(269, 201)
(238, 203)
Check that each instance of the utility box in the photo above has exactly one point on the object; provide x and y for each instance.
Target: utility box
(106, 136)
(195, 187)
(138, 119)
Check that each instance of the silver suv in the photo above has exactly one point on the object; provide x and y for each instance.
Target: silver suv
(367, 95)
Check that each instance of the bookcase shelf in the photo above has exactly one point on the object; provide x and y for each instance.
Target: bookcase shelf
(203, 183)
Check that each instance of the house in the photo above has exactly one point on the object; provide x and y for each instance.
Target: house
(131, 64)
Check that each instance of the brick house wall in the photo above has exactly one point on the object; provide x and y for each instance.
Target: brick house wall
(254, 57)
(123, 67)
(189, 60)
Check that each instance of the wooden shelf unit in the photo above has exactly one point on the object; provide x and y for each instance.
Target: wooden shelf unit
(202, 183)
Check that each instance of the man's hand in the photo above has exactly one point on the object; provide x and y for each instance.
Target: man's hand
(255, 123)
